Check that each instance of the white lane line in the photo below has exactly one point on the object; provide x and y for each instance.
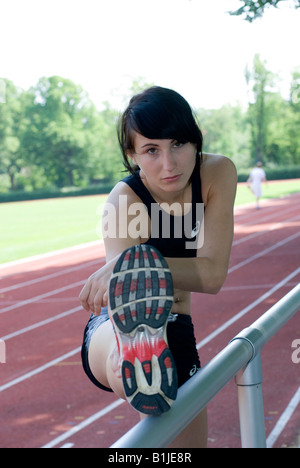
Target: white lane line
(35, 258)
(264, 252)
(40, 324)
(284, 419)
(273, 227)
(41, 296)
(39, 369)
(249, 287)
(84, 424)
(247, 309)
(50, 276)
(258, 221)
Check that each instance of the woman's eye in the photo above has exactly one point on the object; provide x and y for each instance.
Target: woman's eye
(178, 144)
(152, 151)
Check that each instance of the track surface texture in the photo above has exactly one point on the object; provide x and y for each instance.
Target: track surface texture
(46, 399)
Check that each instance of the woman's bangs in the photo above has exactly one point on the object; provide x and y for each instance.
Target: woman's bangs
(156, 124)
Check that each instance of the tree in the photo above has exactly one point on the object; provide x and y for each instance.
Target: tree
(255, 9)
(294, 117)
(60, 117)
(11, 121)
(105, 161)
(260, 82)
(274, 121)
(277, 141)
(226, 131)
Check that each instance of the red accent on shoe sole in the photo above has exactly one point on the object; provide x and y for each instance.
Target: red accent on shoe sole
(147, 367)
(133, 313)
(127, 256)
(133, 285)
(119, 289)
(151, 408)
(143, 352)
(168, 362)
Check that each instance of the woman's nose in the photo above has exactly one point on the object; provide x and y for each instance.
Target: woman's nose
(169, 162)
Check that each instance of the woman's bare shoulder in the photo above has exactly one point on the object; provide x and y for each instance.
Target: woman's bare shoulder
(212, 162)
(218, 173)
(121, 189)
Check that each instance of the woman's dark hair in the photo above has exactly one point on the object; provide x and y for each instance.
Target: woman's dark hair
(157, 113)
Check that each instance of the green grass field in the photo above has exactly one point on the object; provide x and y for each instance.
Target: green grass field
(273, 189)
(36, 227)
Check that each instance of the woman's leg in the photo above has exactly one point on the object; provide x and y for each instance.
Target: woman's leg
(104, 362)
(194, 435)
(104, 358)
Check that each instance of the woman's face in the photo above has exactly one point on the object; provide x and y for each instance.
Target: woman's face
(166, 165)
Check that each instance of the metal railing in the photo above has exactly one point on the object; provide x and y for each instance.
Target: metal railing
(240, 359)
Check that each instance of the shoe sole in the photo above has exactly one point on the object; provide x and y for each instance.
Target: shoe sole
(141, 299)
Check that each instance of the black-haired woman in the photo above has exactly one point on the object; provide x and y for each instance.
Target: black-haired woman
(168, 230)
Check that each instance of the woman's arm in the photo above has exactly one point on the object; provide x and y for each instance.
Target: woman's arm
(117, 238)
(208, 271)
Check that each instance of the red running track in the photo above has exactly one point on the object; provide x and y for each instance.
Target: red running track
(46, 399)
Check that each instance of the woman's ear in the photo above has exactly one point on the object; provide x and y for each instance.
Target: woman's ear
(131, 156)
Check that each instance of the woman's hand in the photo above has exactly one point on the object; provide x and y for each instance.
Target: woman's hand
(94, 294)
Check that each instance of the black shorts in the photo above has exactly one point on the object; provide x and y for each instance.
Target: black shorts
(181, 340)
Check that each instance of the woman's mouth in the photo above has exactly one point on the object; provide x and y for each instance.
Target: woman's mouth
(172, 178)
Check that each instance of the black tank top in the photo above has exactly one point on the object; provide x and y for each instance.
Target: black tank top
(173, 236)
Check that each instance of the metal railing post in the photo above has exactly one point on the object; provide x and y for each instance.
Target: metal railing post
(251, 409)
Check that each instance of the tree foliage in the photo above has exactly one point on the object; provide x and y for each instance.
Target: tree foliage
(53, 136)
(273, 120)
(60, 116)
(11, 124)
(252, 10)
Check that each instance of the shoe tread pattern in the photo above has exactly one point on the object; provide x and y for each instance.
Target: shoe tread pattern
(141, 298)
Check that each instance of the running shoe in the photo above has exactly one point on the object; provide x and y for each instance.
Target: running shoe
(141, 298)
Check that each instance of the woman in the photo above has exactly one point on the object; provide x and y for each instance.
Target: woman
(158, 250)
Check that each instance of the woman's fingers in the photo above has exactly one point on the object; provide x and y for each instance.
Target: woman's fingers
(84, 295)
(97, 302)
(94, 295)
(105, 299)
